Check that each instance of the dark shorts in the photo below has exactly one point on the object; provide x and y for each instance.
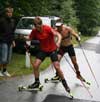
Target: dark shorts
(69, 49)
(42, 55)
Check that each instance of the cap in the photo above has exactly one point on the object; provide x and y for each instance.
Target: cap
(58, 24)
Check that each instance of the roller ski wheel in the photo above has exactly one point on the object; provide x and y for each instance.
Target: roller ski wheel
(51, 80)
(20, 88)
(24, 88)
(83, 80)
(71, 95)
(40, 87)
(86, 82)
(46, 80)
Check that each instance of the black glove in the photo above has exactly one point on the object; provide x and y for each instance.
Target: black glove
(27, 47)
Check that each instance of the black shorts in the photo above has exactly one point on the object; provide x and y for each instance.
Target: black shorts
(69, 49)
(42, 55)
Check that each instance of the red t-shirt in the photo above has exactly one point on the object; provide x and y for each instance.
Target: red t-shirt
(46, 38)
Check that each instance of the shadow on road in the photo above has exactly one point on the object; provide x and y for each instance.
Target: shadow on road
(57, 98)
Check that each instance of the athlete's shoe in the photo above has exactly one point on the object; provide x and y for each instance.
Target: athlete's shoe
(1, 74)
(79, 76)
(34, 85)
(56, 77)
(6, 74)
(82, 79)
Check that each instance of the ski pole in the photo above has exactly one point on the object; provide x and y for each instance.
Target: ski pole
(88, 64)
(80, 79)
(87, 89)
(69, 64)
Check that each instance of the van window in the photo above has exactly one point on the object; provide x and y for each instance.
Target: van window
(25, 24)
(46, 21)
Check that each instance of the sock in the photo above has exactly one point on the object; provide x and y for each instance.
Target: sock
(64, 82)
(65, 85)
(37, 80)
(4, 69)
(78, 72)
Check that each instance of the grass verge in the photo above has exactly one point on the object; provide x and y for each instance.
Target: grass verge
(17, 65)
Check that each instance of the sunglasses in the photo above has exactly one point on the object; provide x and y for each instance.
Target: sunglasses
(36, 24)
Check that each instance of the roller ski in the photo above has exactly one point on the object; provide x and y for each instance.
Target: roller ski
(70, 94)
(83, 80)
(55, 79)
(33, 87)
(67, 89)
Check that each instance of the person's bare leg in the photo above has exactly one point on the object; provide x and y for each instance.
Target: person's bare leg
(36, 65)
(60, 74)
(76, 67)
(59, 58)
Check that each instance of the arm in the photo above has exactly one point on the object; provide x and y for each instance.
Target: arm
(75, 35)
(27, 38)
(13, 44)
(59, 37)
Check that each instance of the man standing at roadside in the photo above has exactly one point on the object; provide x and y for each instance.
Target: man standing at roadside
(6, 39)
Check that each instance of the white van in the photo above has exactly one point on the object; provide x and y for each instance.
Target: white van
(25, 26)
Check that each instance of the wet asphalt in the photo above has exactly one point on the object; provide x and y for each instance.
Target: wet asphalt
(54, 92)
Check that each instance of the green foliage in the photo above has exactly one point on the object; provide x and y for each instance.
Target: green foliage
(55, 7)
(68, 13)
(83, 14)
(87, 12)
